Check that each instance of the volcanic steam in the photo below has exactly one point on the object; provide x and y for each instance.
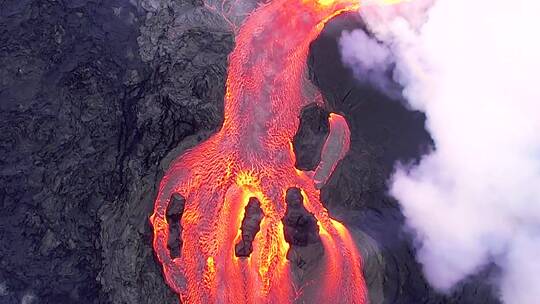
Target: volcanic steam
(472, 67)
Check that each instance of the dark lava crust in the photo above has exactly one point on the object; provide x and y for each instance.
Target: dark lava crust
(93, 95)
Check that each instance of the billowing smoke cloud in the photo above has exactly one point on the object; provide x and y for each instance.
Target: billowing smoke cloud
(472, 67)
(369, 58)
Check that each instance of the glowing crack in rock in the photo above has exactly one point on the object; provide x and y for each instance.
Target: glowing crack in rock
(252, 157)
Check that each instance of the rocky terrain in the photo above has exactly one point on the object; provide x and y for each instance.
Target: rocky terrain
(97, 97)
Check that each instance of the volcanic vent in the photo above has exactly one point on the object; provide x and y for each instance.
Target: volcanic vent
(241, 193)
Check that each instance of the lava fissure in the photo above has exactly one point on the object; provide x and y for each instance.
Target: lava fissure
(251, 157)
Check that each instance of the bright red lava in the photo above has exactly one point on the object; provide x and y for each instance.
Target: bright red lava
(251, 156)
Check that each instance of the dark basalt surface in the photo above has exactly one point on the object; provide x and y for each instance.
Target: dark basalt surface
(251, 225)
(301, 231)
(310, 137)
(299, 226)
(93, 95)
(97, 97)
(174, 214)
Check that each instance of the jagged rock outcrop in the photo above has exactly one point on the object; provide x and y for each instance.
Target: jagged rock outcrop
(174, 214)
(302, 233)
(251, 224)
(310, 137)
(299, 226)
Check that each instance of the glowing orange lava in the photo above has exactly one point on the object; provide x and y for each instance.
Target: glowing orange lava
(251, 156)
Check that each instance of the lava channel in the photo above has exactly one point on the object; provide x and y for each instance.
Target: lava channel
(251, 157)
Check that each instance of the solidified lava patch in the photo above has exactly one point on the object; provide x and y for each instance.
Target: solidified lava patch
(251, 160)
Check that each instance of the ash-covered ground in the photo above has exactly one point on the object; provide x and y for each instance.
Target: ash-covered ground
(98, 96)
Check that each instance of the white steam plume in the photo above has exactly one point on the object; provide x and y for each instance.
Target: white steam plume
(369, 58)
(472, 67)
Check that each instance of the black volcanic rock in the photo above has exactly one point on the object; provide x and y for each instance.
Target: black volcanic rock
(310, 137)
(299, 226)
(251, 224)
(176, 206)
(302, 233)
(185, 47)
(174, 214)
(94, 95)
(64, 83)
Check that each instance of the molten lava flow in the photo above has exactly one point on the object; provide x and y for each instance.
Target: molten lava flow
(252, 157)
